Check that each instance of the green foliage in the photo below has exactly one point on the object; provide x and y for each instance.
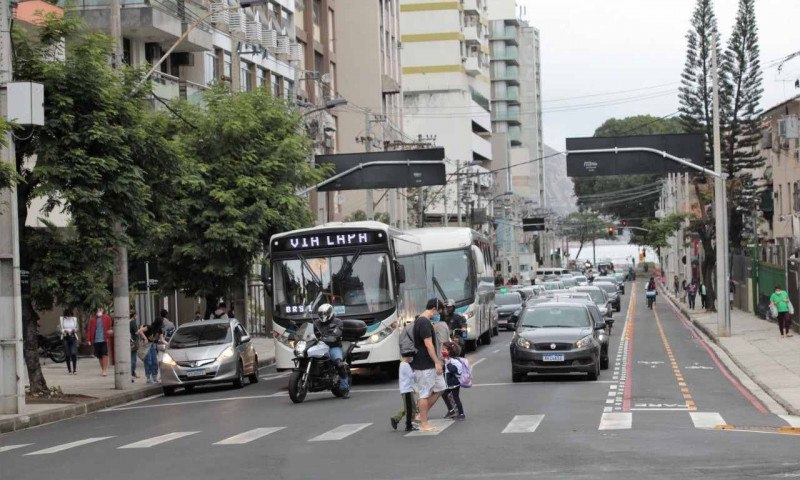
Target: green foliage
(240, 171)
(360, 216)
(588, 189)
(659, 230)
(584, 227)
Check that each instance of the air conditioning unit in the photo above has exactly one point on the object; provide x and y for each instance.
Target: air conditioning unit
(269, 38)
(294, 52)
(283, 45)
(236, 21)
(219, 13)
(253, 31)
(789, 128)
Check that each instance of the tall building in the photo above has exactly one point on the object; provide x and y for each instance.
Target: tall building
(368, 42)
(446, 91)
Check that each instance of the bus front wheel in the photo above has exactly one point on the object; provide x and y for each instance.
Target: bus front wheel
(472, 345)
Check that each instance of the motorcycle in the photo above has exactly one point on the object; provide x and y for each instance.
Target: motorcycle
(314, 371)
(52, 347)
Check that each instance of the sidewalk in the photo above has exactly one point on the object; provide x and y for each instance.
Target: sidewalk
(755, 346)
(88, 392)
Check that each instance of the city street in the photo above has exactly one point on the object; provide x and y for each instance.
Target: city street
(655, 412)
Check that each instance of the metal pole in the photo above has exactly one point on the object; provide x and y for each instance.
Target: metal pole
(720, 211)
(458, 191)
(13, 373)
(148, 299)
(368, 148)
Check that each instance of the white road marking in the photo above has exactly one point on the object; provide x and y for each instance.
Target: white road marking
(135, 402)
(340, 432)
(616, 421)
(496, 351)
(67, 446)
(660, 409)
(477, 362)
(792, 420)
(152, 442)
(706, 419)
(523, 424)
(189, 402)
(8, 448)
(249, 436)
(273, 376)
(440, 425)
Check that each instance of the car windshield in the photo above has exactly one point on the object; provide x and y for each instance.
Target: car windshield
(608, 287)
(353, 283)
(559, 316)
(581, 279)
(452, 271)
(507, 299)
(552, 285)
(201, 335)
(597, 296)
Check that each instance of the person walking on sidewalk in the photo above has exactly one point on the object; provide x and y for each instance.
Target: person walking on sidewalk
(69, 335)
(153, 334)
(677, 285)
(135, 344)
(99, 335)
(691, 292)
(703, 296)
(782, 304)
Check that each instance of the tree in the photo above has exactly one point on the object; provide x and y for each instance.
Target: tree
(695, 98)
(8, 175)
(602, 193)
(584, 227)
(743, 88)
(360, 216)
(92, 160)
(244, 157)
(657, 231)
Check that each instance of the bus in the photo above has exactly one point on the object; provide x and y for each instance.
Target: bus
(367, 270)
(459, 266)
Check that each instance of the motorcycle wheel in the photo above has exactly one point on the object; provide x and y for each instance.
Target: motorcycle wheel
(57, 355)
(297, 389)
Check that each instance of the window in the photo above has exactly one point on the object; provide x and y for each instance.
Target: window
(210, 68)
(287, 89)
(780, 199)
(260, 77)
(331, 36)
(276, 86)
(245, 81)
(226, 65)
(316, 11)
(126, 51)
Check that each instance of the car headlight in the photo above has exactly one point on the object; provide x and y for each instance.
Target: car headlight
(470, 314)
(584, 342)
(227, 353)
(167, 360)
(380, 334)
(523, 343)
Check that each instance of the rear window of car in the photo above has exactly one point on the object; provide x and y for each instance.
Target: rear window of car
(557, 316)
(597, 295)
(508, 299)
(608, 287)
(201, 335)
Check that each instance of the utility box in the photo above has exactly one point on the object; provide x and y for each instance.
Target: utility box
(25, 103)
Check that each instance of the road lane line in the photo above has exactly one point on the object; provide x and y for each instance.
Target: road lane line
(340, 432)
(523, 424)
(479, 361)
(249, 436)
(674, 363)
(706, 419)
(440, 425)
(792, 420)
(625, 361)
(153, 441)
(273, 376)
(8, 448)
(67, 446)
(496, 351)
(616, 421)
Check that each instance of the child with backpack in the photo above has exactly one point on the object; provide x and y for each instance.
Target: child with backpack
(406, 380)
(457, 374)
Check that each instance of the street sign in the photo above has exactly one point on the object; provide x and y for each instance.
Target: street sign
(691, 147)
(385, 176)
(534, 224)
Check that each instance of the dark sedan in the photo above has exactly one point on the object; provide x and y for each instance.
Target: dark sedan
(556, 337)
(611, 290)
(507, 304)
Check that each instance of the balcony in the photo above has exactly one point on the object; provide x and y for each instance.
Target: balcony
(508, 77)
(192, 92)
(472, 35)
(507, 56)
(510, 96)
(481, 147)
(509, 34)
(471, 6)
(166, 86)
(510, 117)
(473, 65)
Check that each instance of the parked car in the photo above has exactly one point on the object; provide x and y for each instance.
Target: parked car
(611, 290)
(506, 304)
(206, 352)
(556, 337)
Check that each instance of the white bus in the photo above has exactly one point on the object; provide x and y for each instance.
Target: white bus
(366, 270)
(459, 265)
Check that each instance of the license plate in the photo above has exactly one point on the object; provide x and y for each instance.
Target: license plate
(197, 372)
(553, 357)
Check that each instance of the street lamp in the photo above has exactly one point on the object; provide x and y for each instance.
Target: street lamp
(332, 103)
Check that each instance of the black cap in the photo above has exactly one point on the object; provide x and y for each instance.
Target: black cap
(433, 303)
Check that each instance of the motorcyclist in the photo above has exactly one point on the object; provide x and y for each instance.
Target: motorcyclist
(456, 321)
(330, 331)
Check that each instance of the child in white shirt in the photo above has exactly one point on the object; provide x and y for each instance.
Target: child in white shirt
(406, 380)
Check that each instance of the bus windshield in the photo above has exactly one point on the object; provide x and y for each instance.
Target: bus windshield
(353, 283)
(453, 273)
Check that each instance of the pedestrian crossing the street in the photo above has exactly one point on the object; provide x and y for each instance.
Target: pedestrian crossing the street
(516, 425)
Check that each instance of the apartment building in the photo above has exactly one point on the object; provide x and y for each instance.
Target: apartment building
(368, 43)
(446, 92)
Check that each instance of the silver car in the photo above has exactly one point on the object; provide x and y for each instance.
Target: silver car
(208, 351)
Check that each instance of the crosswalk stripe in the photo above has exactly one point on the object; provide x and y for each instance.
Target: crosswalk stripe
(67, 446)
(792, 420)
(340, 432)
(8, 448)
(249, 436)
(706, 419)
(153, 441)
(523, 424)
(616, 421)
(440, 425)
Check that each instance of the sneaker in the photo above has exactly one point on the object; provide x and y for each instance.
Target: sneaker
(394, 423)
(149, 382)
(412, 428)
(451, 414)
(461, 417)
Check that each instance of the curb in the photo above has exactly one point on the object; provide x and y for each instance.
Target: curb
(769, 391)
(21, 422)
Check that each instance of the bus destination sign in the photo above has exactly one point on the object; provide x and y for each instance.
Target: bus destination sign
(327, 240)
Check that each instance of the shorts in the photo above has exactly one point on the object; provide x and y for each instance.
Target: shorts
(427, 382)
(100, 349)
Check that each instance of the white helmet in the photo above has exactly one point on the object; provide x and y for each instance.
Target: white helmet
(325, 313)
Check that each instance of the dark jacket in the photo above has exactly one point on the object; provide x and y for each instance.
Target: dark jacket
(331, 332)
(456, 321)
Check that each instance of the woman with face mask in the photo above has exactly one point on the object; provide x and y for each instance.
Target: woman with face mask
(100, 335)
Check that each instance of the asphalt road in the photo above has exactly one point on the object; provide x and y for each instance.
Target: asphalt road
(651, 415)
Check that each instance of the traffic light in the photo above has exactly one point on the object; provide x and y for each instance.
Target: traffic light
(610, 231)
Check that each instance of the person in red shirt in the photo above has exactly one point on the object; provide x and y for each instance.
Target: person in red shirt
(100, 334)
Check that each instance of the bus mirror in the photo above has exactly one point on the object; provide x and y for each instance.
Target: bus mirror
(480, 263)
(401, 273)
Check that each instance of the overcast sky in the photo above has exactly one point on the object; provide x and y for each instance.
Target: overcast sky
(591, 47)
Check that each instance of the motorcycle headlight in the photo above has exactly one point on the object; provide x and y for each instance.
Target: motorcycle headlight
(523, 343)
(584, 342)
(167, 360)
(300, 348)
(227, 353)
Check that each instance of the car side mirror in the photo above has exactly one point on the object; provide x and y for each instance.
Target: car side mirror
(599, 327)
(512, 326)
(401, 273)
(609, 321)
(245, 339)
